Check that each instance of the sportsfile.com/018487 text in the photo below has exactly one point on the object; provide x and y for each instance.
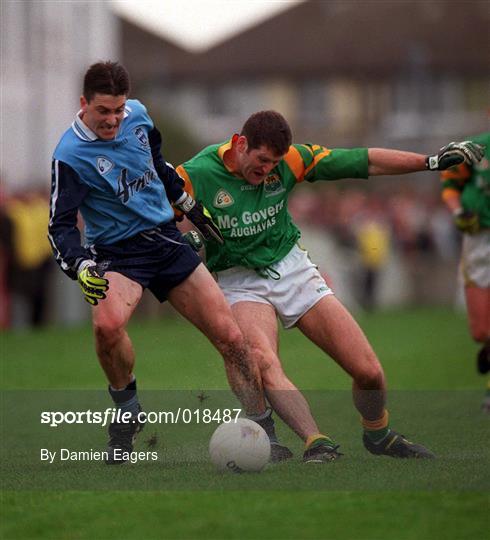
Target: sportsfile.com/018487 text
(110, 415)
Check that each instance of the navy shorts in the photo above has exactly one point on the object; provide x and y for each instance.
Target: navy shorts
(158, 259)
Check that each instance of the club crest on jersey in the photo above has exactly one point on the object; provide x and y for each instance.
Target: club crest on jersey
(141, 136)
(223, 199)
(273, 185)
(104, 165)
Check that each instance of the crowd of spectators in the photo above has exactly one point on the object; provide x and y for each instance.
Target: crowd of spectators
(378, 226)
(371, 226)
(26, 261)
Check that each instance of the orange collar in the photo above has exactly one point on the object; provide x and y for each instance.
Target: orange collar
(225, 147)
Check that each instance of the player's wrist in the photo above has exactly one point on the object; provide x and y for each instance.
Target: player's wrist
(432, 162)
(85, 263)
(185, 202)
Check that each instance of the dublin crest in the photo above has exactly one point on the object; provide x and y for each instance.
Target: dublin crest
(141, 136)
(104, 165)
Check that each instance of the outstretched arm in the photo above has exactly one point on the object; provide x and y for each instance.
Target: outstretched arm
(384, 161)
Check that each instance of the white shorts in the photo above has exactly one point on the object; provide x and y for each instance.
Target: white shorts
(294, 286)
(475, 259)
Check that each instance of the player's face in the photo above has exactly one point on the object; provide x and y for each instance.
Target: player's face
(103, 114)
(255, 165)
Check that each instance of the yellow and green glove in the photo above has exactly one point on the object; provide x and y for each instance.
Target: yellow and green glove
(92, 282)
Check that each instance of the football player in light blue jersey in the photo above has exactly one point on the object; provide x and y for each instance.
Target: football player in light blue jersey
(108, 166)
(115, 173)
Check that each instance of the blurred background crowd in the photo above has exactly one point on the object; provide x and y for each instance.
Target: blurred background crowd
(407, 74)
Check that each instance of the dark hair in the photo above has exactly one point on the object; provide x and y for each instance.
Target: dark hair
(110, 78)
(268, 128)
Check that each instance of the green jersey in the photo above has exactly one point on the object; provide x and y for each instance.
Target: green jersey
(472, 184)
(254, 219)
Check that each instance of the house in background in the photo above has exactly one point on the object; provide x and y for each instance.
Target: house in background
(344, 73)
(401, 74)
(46, 48)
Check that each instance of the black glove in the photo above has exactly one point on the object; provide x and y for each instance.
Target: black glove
(200, 217)
(455, 153)
(466, 221)
(193, 238)
(92, 281)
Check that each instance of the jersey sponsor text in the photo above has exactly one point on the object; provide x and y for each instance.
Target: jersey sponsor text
(255, 222)
(128, 189)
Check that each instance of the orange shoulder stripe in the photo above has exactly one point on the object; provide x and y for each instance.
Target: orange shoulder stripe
(224, 148)
(295, 162)
(307, 147)
(318, 158)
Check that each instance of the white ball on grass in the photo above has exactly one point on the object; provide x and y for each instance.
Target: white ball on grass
(240, 446)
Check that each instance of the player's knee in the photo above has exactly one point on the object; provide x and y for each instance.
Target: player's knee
(479, 334)
(273, 377)
(371, 376)
(230, 339)
(267, 362)
(108, 330)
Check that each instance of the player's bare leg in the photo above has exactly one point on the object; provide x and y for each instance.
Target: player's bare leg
(258, 323)
(478, 305)
(116, 357)
(330, 326)
(199, 299)
(110, 318)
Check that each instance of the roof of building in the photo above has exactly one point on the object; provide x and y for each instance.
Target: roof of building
(364, 38)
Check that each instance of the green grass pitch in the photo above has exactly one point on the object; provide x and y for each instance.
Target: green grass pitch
(434, 398)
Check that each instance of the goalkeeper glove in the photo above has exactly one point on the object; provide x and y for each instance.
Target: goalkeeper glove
(193, 238)
(92, 281)
(466, 221)
(200, 217)
(455, 153)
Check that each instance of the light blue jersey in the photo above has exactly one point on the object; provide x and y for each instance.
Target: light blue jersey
(125, 194)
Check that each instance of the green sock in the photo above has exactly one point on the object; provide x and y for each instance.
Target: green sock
(377, 435)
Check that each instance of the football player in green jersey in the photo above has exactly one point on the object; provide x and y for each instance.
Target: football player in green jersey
(245, 183)
(466, 192)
